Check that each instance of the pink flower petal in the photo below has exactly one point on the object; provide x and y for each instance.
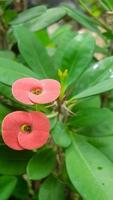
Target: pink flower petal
(22, 87)
(39, 121)
(10, 129)
(16, 139)
(34, 140)
(51, 91)
(22, 90)
(40, 132)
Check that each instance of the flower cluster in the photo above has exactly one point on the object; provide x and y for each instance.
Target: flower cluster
(29, 130)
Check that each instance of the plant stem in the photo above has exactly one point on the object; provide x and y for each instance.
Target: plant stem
(100, 22)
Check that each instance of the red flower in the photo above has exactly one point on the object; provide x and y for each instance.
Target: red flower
(34, 91)
(25, 130)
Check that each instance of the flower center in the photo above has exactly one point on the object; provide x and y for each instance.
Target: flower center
(36, 91)
(26, 128)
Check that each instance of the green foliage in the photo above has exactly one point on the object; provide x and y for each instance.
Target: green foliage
(7, 54)
(7, 185)
(4, 110)
(49, 17)
(41, 164)
(13, 162)
(37, 58)
(83, 19)
(78, 56)
(60, 135)
(98, 73)
(89, 102)
(11, 71)
(90, 170)
(41, 19)
(78, 155)
(51, 189)
(96, 89)
(21, 190)
(107, 4)
(104, 144)
(29, 15)
(61, 37)
(89, 121)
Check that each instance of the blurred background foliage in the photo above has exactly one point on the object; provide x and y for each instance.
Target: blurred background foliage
(54, 28)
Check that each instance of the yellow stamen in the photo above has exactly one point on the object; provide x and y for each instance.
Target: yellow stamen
(36, 91)
(26, 128)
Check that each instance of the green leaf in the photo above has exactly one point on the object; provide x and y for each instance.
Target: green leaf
(52, 189)
(7, 185)
(1, 141)
(61, 135)
(41, 164)
(78, 55)
(93, 101)
(4, 110)
(33, 52)
(83, 19)
(96, 79)
(8, 16)
(51, 16)
(108, 4)
(96, 73)
(53, 121)
(98, 88)
(104, 144)
(13, 162)
(11, 71)
(21, 191)
(7, 3)
(89, 170)
(29, 15)
(5, 90)
(43, 36)
(7, 54)
(93, 122)
(61, 37)
(58, 34)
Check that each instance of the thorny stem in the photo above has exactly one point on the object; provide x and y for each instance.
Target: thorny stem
(31, 191)
(60, 160)
(3, 40)
(52, 115)
(63, 112)
(71, 101)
